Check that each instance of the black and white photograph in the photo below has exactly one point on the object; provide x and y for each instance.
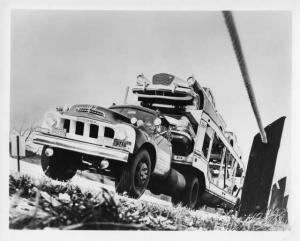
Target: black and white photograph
(150, 120)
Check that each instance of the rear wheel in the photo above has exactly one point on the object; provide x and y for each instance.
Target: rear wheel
(189, 197)
(236, 208)
(58, 166)
(135, 176)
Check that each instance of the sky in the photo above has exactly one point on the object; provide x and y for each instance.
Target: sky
(62, 57)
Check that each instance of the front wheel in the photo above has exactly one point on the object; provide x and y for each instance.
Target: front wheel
(135, 176)
(58, 166)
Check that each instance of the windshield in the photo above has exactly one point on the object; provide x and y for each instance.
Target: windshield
(147, 117)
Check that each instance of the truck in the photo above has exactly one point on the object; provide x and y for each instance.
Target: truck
(174, 142)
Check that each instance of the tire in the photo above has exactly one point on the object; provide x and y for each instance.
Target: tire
(135, 176)
(58, 166)
(236, 207)
(200, 203)
(189, 197)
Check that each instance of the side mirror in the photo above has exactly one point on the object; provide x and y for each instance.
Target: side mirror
(139, 123)
(157, 121)
(157, 124)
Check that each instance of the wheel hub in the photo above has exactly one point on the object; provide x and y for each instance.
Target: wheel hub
(141, 174)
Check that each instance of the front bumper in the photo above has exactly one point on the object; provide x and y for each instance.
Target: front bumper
(80, 146)
(168, 88)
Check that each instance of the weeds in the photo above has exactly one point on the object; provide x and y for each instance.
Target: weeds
(65, 206)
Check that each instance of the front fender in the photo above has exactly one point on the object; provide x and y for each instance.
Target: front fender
(162, 148)
(131, 134)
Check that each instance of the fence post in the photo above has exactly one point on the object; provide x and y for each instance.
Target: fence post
(18, 152)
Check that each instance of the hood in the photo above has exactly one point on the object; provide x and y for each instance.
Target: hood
(96, 112)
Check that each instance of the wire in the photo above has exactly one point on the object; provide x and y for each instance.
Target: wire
(240, 57)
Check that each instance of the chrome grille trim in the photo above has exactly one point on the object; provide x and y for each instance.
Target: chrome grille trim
(97, 112)
(90, 110)
(103, 130)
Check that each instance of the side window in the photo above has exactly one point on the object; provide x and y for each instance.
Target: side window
(206, 144)
(224, 170)
(239, 171)
(209, 133)
(216, 162)
(230, 165)
(233, 177)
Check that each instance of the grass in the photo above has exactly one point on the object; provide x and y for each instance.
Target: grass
(34, 158)
(65, 206)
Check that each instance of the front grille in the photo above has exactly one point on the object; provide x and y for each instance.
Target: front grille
(162, 79)
(93, 131)
(164, 93)
(108, 132)
(79, 128)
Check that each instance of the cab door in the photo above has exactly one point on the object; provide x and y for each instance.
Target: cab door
(163, 155)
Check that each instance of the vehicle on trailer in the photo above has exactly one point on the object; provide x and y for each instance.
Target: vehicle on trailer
(203, 150)
(176, 150)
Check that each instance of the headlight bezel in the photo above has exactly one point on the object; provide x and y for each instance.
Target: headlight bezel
(128, 143)
(121, 134)
(133, 120)
(191, 81)
(51, 120)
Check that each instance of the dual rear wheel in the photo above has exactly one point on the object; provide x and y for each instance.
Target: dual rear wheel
(190, 197)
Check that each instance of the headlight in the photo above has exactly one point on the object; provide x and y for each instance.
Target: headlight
(133, 120)
(51, 119)
(124, 138)
(62, 108)
(120, 139)
(191, 81)
(142, 80)
(120, 134)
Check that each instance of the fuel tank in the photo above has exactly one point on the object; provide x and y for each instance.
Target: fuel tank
(172, 185)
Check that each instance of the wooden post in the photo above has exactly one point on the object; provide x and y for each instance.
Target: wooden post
(18, 152)
(260, 170)
(18, 149)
